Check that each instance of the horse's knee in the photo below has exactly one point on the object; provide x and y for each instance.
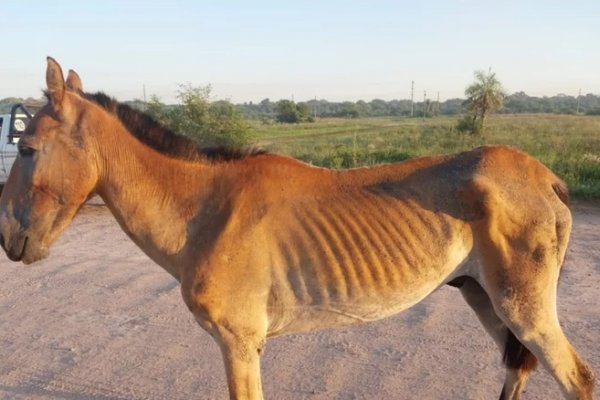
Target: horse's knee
(244, 346)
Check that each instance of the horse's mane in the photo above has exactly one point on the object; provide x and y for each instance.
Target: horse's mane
(162, 139)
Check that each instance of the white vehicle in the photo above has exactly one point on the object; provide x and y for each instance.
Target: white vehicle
(11, 127)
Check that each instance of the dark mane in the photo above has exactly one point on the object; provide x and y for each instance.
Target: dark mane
(153, 134)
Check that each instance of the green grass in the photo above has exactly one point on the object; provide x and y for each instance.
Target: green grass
(568, 144)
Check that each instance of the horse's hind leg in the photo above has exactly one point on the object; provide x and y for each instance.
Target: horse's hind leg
(521, 284)
(519, 361)
(532, 318)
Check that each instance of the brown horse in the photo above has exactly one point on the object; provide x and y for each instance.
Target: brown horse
(265, 245)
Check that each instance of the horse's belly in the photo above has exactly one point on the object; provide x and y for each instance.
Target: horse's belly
(311, 317)
(320, 303)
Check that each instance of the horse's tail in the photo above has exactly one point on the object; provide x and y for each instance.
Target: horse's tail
(517, 356)
(561, 190)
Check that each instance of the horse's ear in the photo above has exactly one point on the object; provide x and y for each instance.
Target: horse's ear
(74, 81)
(55, 82)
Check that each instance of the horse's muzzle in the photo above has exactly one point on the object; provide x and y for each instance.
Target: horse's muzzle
(21, 247)
(15, 249)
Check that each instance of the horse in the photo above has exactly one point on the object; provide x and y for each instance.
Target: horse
(265, 245)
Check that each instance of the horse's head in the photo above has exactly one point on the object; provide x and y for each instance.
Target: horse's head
(53, 174)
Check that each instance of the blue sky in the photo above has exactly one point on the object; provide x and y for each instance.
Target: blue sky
(336, 50)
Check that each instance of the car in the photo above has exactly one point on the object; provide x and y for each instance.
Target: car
(12, 125)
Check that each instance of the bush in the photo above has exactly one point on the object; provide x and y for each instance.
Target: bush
(595, 111)
(291, 113)
(467, 124)
(210, 123)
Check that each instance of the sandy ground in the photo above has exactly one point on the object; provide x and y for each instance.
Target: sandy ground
(99, 320)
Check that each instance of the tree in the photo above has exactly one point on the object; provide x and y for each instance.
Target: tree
(349, 110)
(157, 109)
(484, 96)
(213, 123)
(290, 112)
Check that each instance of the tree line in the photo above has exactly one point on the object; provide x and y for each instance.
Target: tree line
(516, 103)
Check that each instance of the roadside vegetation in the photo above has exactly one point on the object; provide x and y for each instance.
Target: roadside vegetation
(199, 117)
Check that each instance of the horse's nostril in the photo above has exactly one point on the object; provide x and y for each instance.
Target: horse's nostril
(1, 240)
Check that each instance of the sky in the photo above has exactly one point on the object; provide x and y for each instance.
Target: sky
(333, 50)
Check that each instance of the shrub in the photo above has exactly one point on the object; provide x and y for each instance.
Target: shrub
(215, 123)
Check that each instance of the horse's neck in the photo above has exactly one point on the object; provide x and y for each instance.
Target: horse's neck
(154, 197)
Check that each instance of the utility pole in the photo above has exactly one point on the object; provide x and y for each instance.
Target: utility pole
(437, 104)
(144, 90)
(424, 102)
(578, 102)
(315, 108)
(412, 99)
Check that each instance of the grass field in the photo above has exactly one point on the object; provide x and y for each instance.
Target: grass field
(568, 144)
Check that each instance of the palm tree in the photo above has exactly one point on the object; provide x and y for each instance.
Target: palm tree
(484, 96)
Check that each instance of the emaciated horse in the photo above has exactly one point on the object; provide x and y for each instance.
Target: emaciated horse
(265, 245)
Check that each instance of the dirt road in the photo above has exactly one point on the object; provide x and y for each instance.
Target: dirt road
(98, 320)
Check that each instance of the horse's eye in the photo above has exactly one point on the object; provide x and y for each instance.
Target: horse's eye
(26, 151)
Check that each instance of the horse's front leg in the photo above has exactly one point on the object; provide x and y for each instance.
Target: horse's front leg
(237, 320)
(241, 355)
(241, 342)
